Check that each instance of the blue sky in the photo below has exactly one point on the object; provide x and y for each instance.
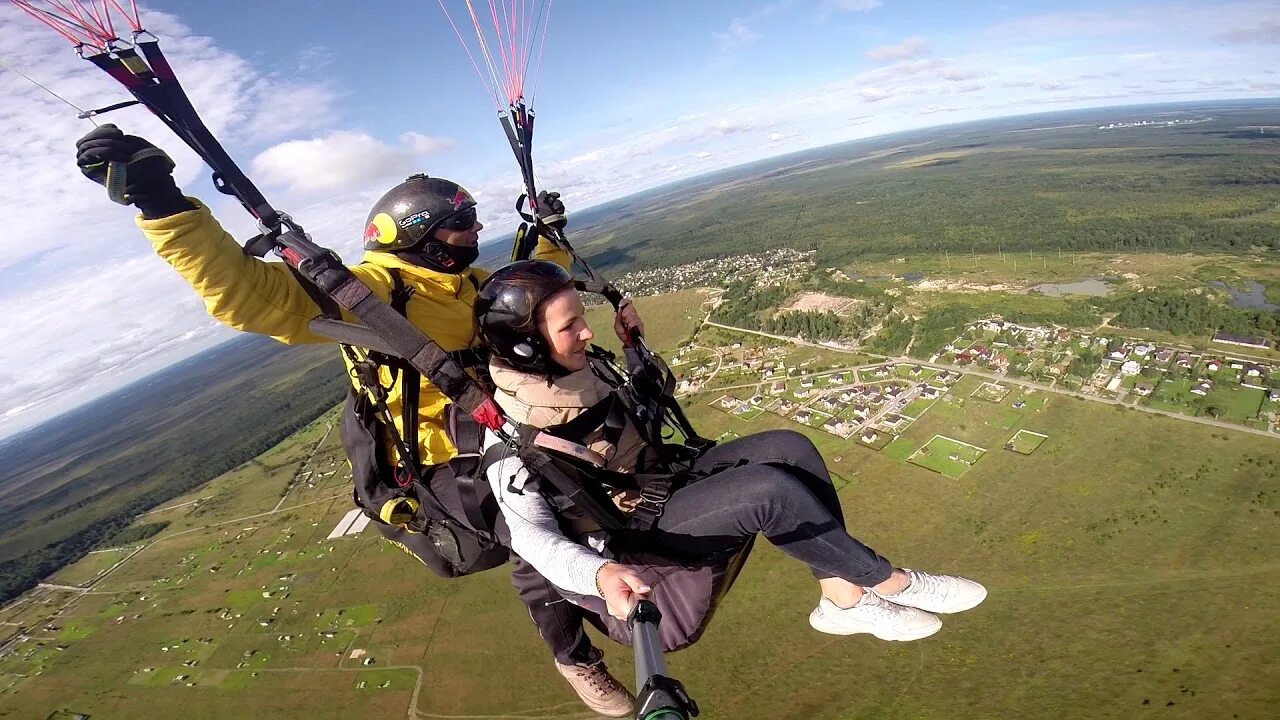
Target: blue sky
(328, 103)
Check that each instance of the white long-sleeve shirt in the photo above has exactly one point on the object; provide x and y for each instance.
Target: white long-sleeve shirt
(535, 531)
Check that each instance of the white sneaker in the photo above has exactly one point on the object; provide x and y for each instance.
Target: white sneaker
(873, 614)
(938, 593)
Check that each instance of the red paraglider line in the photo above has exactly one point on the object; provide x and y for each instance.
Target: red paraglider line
(135, 20)
(102, 16)
(467, 48)
(77, 33)
(513, 36)
(488, 56)
(76, 14)
(502, 49)
(55, 23)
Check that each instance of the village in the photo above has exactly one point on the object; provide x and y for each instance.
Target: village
(1180, 379)
(774, 267)
(876, 401)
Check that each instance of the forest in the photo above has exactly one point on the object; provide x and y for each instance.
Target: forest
(147, 444)
(1195, 187)
(1184, 313)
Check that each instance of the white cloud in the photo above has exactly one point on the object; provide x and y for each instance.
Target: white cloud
(117, 330)
(956, 74)
(872, 94)
(736, 37)
(423, 144)
(702, 155)
(909, 49)
(342, 160)
(80, 288)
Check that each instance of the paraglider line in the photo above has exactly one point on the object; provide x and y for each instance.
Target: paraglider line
(33, 81)
(470, 57)
(542, 43)
(484, 49)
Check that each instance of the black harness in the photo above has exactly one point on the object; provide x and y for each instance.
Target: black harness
(664, 467)
(408, 473)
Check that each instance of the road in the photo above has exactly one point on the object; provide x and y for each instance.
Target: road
(169, 507)
(297, 474)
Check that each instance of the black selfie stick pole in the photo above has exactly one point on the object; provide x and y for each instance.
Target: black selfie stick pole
(658, 696)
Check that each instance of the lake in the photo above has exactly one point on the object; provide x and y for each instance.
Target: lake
(1253, 296)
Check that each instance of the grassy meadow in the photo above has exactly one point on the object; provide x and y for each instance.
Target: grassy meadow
(1098, 550)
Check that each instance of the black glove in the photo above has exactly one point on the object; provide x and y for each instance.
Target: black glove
(551, 210)
(106, 153)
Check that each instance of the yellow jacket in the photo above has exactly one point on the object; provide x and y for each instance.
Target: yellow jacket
(256, 296)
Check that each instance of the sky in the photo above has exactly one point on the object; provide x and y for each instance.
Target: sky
(328, 103)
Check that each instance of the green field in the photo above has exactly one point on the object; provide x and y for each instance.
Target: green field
(1036, 550)
(1234, 402)
(668, 320)
(1025, 442)
(991, 392)
(1173, 394)
(947, 456)
(88, 568)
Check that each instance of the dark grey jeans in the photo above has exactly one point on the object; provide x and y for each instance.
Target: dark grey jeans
(775, 484)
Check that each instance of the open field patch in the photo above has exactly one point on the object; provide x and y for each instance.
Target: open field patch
(385, 680)
(350, 617)
(821, 302)
(1234, 401)
(88, 569)
(1025, 442)
(938, 158)
(991, 392)
(947, 456)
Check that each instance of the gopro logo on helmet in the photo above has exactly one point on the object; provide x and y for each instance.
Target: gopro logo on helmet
(414, 219)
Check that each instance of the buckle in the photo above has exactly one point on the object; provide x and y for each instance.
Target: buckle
(656, 496)
(402, 476)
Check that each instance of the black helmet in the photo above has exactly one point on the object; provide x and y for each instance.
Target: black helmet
(411, 211)
(507, 307)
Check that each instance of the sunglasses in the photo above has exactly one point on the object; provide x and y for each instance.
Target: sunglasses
(464, 219)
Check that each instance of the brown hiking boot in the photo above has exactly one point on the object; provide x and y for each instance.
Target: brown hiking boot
(599, 690)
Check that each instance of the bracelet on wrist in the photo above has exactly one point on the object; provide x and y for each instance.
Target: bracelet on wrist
(607, 563)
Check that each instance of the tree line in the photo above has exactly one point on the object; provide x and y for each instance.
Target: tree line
(1183, 313)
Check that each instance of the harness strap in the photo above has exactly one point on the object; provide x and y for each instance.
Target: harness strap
(410, 380)
(588, 496)
(469, 470)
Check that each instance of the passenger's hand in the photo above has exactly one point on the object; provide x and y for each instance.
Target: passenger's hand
(626, 500)
(626, 321)
(551, 210)
(621, 588)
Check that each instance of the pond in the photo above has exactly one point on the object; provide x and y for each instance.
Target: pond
(1089, 286)
(1252, 296)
